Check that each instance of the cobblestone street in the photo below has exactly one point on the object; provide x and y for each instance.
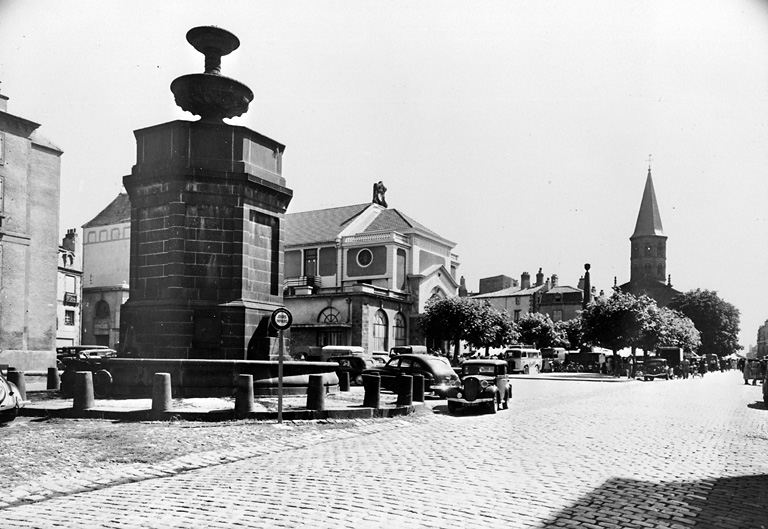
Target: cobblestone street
(568, 453)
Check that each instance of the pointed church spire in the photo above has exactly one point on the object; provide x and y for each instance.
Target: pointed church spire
(649, 218)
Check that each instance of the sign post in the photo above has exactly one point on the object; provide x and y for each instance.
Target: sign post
(281, 319)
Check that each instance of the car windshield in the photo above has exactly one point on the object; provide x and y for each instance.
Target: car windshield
(479, 369)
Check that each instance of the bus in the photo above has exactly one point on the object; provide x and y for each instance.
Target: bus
(523, 359)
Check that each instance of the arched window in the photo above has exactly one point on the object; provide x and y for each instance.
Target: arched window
(400, 330)
(647, 269)
(660, 249)
(660, 270)
(329, 315)
(380, 331)
(102, 310)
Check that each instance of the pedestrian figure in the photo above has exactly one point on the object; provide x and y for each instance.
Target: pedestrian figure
(702, 368)
(754, 371)
(686, 368)
(746, 371)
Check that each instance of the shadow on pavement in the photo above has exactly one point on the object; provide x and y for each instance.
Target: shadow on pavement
(739, 502)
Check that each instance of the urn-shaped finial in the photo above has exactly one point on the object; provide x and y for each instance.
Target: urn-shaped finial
(210, 95)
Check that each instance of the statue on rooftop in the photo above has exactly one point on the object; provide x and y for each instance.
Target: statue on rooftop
(378, 193)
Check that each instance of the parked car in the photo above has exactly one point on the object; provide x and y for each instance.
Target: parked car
(83, 352)
(485, 383)
(10, 398)
(656, 368)
(355, 365)
(439, 377)
(87, 360)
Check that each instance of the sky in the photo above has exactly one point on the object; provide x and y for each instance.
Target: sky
(520, 130)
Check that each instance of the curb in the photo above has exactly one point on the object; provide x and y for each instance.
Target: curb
(65, 411)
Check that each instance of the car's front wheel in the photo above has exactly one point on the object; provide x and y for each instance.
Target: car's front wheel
(452, 407)
(492, 406)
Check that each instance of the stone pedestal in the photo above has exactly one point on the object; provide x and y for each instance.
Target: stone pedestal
(207, 206)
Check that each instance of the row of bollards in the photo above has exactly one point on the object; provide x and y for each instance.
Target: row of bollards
(409, 388)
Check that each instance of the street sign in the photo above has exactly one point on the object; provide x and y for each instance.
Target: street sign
(281, 319)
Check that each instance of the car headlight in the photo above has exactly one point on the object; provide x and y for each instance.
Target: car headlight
(459, 395)
(484, 384)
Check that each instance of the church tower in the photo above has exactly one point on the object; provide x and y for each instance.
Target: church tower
(649, 244)
(648, 257)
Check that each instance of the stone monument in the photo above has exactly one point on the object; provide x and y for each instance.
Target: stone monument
(207, 206)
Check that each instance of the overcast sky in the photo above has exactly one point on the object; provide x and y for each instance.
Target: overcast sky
(519, 130)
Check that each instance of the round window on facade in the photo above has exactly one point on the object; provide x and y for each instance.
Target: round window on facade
(364, 257)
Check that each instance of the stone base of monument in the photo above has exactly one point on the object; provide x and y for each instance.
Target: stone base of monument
(134, 377)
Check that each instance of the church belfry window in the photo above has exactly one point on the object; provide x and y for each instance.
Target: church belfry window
(648, 249)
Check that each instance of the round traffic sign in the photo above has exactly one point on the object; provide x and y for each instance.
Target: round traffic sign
(281, 319)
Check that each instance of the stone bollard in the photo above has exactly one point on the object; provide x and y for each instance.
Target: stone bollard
(372, 385)
(404, 389)
(53, 378)
(161, 395)
(418, 388)
(83, 396)
(343, 380)
(17, 377)
(244, 396)
(316, 393)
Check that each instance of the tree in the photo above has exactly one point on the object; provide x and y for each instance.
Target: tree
(674, 329)
(616, 322)
(539, 330)
(460, 319)
(573, 331)
(715, 319)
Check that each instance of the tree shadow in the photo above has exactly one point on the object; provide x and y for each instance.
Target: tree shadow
(738, 502)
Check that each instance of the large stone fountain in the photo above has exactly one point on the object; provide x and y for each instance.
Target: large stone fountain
(207, 206)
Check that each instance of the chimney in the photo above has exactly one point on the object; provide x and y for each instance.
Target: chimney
(554, 280)
(581, 284)
(539, 278)
(462, 288)
(525, 280)
(68, 242)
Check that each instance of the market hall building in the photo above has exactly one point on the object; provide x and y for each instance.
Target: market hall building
(362, 275)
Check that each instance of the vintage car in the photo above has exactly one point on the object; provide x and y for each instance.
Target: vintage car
(656, 368)
(88, 360)
(485, 383)
(82, 352)
(438, 375)
(10, 398)
(355, 365)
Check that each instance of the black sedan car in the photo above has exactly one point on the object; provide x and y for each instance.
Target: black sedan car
(438, 375)
(485, 383)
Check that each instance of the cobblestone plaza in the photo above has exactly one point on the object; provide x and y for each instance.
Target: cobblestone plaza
(568, 453)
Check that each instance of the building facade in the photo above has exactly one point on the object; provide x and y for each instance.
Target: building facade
(545, 296)
(69, 291)
(362, 275)
(30, 169)
(762, 340)
(648, 252)
(106, 251)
